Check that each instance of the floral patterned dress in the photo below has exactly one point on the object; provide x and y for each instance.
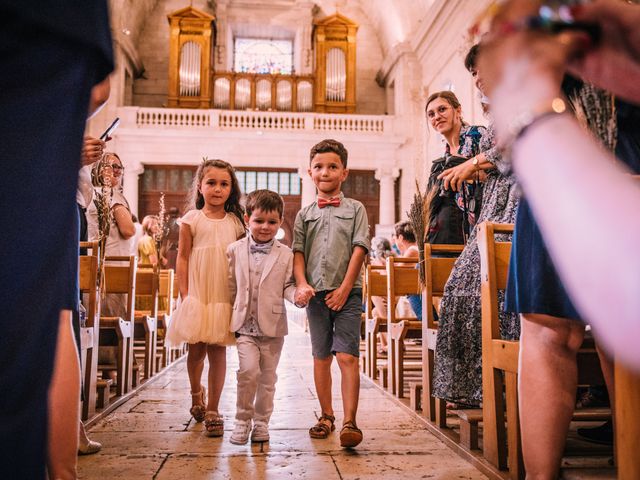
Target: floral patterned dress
(458, 361)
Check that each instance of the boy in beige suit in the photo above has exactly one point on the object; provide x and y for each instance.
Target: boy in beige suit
(260, 278)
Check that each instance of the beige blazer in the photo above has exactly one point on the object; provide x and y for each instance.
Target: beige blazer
(276, 284)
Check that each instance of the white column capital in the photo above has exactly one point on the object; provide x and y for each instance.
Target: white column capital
(386, 172)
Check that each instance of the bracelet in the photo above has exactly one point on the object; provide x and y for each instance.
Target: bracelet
(521, 123)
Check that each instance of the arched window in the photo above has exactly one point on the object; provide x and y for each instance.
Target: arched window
(257, 55)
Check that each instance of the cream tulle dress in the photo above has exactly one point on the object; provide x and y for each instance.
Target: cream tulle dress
(204, 315)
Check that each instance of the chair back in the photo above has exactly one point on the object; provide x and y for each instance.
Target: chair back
(120, 277)
(402, 279)
(437, 271)
(165, 291)
(88, 280)
(375, 281)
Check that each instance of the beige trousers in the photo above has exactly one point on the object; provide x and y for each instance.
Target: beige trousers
(259, 357)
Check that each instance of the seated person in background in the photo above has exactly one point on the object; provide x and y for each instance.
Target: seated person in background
(147, 249)
(108, 172)
(405, 240)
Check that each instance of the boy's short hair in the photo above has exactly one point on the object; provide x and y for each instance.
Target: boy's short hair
(327, 146)
(265, 200)
(406, 230)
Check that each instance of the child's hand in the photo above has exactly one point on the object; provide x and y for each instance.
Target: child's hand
(303, 294)
(336, 299)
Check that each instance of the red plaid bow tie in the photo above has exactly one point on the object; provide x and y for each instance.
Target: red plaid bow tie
(332, 202)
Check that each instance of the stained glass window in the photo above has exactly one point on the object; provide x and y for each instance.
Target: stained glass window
(261, 55)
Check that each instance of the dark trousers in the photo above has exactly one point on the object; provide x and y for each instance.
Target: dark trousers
(45, 83)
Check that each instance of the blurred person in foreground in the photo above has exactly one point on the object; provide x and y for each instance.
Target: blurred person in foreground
(579, 195)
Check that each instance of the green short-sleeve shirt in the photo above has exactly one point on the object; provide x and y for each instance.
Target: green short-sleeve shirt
(327, 237)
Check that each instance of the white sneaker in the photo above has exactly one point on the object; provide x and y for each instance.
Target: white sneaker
(260, 432)
(240, 434)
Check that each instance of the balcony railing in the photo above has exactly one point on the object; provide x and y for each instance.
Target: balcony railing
(264, 92)
(182, 118)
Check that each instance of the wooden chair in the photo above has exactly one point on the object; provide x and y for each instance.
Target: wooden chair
(120, 279)
(88, 281)
(502, 447)
(402, 279)
(498, 356)
(165, 298)
(376, 285)
(145, 322)
(627, 385)
(437, 270)
(627, 422)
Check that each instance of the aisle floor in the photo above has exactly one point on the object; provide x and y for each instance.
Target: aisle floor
(152, 436)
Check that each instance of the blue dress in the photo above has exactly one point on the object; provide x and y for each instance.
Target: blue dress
(534, 285)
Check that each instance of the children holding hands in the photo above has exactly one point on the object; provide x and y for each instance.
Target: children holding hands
(323, 273)
(331, 241)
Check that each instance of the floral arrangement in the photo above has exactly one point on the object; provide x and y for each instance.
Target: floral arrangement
(419, 219)
(102, 200)
(163, 225)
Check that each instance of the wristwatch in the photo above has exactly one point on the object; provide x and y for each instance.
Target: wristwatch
(475, 163)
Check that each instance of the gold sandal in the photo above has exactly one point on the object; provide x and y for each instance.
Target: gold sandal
(213, 425)
(324, 427)
(198, 411)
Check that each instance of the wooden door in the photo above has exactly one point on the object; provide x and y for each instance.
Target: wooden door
(362, 185)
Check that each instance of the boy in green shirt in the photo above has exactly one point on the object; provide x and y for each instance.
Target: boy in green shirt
(331, 240)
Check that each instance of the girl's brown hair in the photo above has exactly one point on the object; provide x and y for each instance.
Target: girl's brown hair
(232, 205)
(447, 95)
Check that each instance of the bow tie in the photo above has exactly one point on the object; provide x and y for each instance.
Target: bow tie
(332, 202)
(260, 248)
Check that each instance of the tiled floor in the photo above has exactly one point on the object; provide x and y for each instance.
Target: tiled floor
(153, 435)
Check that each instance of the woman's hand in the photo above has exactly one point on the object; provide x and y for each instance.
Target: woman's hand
(523, 69)
(454, 177)
(92, 149)
(614, 63)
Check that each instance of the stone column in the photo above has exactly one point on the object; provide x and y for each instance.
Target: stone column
(387, 177)
(308, 187)
(130, 185)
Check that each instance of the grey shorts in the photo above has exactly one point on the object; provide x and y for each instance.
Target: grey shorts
(332, 331)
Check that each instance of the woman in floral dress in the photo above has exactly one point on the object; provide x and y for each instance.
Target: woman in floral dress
(458, 362)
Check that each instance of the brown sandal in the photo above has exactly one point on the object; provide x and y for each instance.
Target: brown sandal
(198, 411)
(213, 425)
(350, 435)
(324, 427)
